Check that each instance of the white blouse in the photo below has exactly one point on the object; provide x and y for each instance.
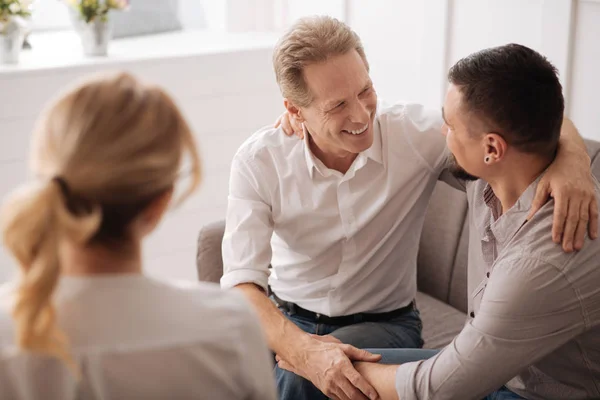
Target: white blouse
(133, 337)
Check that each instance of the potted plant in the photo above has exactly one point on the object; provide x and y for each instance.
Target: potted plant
(13, 28)
(92, 22)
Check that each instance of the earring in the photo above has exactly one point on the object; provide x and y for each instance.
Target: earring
(487, 160)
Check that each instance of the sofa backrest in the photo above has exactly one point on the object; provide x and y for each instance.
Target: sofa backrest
(442, 262)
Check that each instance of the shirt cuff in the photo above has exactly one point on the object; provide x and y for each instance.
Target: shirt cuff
(239, 276)
(405, 381)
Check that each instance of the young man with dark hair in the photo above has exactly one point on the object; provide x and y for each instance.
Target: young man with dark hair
(534, 321)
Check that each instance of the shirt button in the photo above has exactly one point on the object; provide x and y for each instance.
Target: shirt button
(472, 314)
(488, 274)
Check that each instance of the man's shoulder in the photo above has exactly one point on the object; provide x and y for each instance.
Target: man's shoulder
(266, 143)
(534, 241)
(408, 114)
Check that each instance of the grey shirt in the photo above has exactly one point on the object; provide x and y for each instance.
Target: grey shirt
(534, 310)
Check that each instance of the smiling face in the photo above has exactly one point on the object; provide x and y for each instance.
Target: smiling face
(340, 116)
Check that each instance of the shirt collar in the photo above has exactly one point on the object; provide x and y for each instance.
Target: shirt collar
(374, 152)
(312, 162)
(509, 223)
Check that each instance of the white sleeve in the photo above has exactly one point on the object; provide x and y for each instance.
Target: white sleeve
(423, 132)
(248, 227)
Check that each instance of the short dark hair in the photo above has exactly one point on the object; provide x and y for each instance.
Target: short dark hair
(516, 92)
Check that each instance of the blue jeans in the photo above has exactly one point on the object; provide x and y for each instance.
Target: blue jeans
(401, 332)
(401, 356)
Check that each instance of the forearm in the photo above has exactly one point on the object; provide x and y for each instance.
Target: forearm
(381, 377)
(283, 336)
(571, 142)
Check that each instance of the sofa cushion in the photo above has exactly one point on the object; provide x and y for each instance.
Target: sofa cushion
(439, 240)
(209, 258)
(457, 297)
(441, 322)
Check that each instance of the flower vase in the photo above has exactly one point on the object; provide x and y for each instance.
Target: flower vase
(95, 36)
(12, 35)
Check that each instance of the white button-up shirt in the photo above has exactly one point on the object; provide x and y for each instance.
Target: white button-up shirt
(338, 243)
(136, 338)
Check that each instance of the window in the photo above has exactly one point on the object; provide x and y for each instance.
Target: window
(50, 15)
(221, 15)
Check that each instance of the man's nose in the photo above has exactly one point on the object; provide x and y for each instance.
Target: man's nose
(360, 113)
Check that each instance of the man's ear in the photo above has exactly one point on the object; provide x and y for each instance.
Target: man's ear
(495, 147)
(293, 111)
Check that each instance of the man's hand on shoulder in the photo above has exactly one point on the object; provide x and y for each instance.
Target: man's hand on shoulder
(328, 365)
(570, 182)
(289, 125)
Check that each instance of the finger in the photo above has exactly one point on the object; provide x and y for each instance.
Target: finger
(297, 126)
(277, 122)
(560, 214)
(541, 197)
(360, 383)
(285, 125)
(582, 226)
(350, 391)
(570, 225)
(286, 366)
(360, 355)
(593, 212)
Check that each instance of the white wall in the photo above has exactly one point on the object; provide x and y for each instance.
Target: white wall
(392, 32)
(226, 95)
(411, 45)
(585, 78)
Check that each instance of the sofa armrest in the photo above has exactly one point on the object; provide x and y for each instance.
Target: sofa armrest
(209, 258)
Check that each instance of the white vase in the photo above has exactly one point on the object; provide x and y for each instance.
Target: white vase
(12, 35)
(95, 35)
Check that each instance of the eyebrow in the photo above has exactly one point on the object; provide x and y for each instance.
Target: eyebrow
(333, 103)
(444, 118)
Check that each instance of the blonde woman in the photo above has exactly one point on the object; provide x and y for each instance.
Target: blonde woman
(83, 321)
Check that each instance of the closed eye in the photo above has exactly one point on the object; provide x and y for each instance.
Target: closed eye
(339, 105)
(365, 91)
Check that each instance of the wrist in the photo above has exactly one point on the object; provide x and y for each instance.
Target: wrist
(573, 154)
(293, 347)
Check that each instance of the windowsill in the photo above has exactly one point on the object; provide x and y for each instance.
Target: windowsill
(59, 50)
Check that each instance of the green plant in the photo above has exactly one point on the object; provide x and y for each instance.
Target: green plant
(14, 8)
(89, 10)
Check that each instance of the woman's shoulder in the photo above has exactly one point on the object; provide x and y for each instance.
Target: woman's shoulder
(206, 297)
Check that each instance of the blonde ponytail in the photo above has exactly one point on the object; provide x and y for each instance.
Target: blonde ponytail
(113, 145)
(34, 220)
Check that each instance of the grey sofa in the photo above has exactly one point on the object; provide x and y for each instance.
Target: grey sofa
(442, 262)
